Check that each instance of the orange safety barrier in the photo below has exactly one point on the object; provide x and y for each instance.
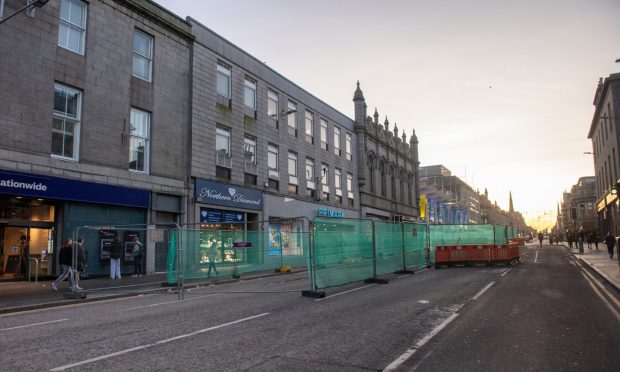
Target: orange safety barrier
(519, 241)
(476, 254)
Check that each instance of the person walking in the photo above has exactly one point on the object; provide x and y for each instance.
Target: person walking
(610, 240)
(138, 255)
(596, 239)
(590, 239)
(569, 238)
(540, 238)
(211, 255)
(65, 258)
(81, 263)
(116, 252)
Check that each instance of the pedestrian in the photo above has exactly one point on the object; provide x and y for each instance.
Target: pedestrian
(569, 238)
(81, 263)
(138, 254)
(116, 252)
(582, 239)
(540, 238)
(590, 239)
(65, 258)
(610, 240)
(596, 239)
(211, 255)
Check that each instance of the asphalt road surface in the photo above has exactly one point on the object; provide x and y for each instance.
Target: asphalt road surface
(543, 314)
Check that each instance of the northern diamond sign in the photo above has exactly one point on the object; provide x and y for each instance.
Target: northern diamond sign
(217, 193)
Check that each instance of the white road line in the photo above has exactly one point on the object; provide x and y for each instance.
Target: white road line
(407, 354)
(126, 351)
(506, 271)
(600, 295)
(598, 284)
(168, 302)
(34, 324)
(536, 259)
(341, 293)
(417, 272)
(483, 290)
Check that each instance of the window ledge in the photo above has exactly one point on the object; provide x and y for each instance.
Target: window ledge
(223, 101)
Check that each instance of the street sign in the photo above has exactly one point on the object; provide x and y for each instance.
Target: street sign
(242, 245)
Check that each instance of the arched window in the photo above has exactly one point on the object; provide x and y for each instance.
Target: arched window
(382, 171)
(371, 173)
(402, 185)
(393, 175)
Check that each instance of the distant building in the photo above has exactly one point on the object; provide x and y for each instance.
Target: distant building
(605, 135)
(449, 199)
(578, 206)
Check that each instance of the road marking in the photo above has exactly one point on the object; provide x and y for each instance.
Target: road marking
(168, 302)
(407, 354)
(506, 272)
(598, 284)
(483, 290)
(126, 351)
(34, 324)
(536, 259)
(600, 295)
(341, 293)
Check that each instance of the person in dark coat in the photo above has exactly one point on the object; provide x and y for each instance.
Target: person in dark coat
(610, 240)
(540, 238)
(65, 259)
(116, 252)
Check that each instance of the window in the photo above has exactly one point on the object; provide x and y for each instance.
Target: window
(249, 149)
(309, 127)
(310, 186)
(292, 172)
(323, 134)
(140, 122)
(291, 118)
(249, 158)
(272, 104)
(222, 140)
(142, 55)
(350, 188)
(348, 147)
(72, 26)
(337, 141)
(249, 93)
(272, 161)
(325, 181)
(338, 184)
(66, 122)
(223, 79)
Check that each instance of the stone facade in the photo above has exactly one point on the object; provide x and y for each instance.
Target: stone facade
(33, 62)
(387, 167)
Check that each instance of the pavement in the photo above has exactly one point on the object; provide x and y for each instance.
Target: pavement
(18, 296)
(599, 261)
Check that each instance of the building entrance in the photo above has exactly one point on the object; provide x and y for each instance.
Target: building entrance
(26, 238)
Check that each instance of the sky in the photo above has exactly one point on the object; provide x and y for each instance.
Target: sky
(500, 92)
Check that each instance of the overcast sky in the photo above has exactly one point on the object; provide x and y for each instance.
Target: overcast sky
(500, 92)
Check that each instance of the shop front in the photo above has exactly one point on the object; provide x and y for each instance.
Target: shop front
(37, 213)
(225, 213)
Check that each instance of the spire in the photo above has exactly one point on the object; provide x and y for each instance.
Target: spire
(360, 106)
(376, 115)
(386, 124)
(404, 137)
(395, 130)
(358, 95)
(511, 208)
(414, 139)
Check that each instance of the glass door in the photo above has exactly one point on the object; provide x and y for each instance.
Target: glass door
(14, 251)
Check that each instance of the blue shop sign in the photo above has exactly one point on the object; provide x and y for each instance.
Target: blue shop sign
(217, 193)
(215, 215)
(50, 187)
(324, 212)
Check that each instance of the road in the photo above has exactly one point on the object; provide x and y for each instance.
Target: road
(542, 314)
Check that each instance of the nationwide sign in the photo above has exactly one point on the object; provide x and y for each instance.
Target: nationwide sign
(217, 193)
(324, 212)
(50, 187)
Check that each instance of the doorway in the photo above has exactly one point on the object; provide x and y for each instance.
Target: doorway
(25, 250)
